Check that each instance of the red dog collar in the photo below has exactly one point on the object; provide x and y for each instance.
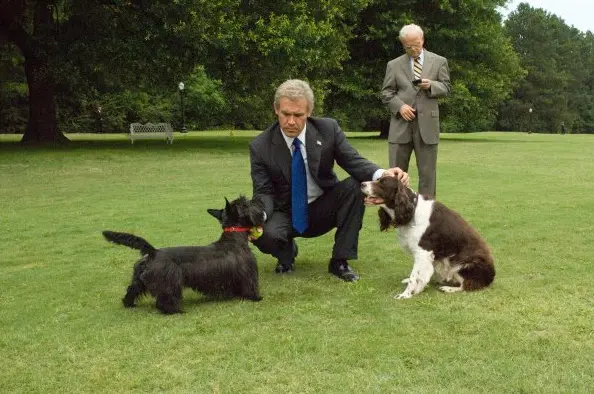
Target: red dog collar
(237, 229)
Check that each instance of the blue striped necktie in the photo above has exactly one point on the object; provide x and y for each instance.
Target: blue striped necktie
(298, 189)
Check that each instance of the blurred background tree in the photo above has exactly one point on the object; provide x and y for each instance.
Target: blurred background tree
(60, 60)
(559, 82)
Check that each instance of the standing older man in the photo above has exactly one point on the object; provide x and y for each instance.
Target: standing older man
(292, 172)
(411, 87)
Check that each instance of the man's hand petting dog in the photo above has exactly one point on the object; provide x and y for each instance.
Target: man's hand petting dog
(398, 173)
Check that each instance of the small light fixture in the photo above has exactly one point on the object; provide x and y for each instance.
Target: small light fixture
(181, 87)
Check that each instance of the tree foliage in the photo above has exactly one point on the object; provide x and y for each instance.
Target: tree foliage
(13, 90)
(559, 84)
(63, 59)
(266, 43)
(100, 48)
(483, 63)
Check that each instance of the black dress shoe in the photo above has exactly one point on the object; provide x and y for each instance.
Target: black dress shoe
(284, 267)
(340, 268)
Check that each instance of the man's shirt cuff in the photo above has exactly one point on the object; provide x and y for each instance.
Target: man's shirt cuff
(378, 174)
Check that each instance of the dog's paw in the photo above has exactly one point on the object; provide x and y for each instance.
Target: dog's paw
(450, 289)
(128, 303)
(172, 312)
(402, 296)
(405, 281)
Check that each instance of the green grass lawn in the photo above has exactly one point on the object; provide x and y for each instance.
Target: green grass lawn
(64, 329)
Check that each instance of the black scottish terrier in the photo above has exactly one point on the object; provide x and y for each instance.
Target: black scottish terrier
(225, 268)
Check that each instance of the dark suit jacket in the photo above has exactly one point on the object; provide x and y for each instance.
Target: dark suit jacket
(325, 144)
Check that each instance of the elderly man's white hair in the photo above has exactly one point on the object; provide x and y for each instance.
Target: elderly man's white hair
(410, 29)
(294, 89)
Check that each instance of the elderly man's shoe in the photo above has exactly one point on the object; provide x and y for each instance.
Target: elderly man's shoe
(341, 269)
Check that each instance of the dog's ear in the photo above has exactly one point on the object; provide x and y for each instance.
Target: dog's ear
(405, 208)
(226, 204)
(385, 219)
(217, 213)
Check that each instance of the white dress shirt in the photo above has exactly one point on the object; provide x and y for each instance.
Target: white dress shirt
(313, 190)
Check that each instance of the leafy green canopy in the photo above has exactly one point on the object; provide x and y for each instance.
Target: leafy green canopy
(127, 57)
(559, 84)
(469, 34)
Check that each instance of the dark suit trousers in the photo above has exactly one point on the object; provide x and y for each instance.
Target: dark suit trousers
(425, 155)
(341, 207)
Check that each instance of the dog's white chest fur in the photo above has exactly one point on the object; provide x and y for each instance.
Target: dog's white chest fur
(410, 234)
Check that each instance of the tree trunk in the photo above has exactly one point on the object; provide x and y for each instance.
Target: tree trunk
(42, 126)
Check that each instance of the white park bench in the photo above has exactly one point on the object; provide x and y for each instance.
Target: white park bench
(151, 130)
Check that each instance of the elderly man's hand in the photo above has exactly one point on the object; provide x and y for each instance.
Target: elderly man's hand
(407, 112)
(398, 173)
(425, 84)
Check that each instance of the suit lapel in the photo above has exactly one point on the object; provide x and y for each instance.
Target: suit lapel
(313, 147)
(427, 64)
(406, 67)
(282, 155)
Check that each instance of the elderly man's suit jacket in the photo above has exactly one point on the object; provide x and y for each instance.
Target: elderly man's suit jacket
(398, 89)
(325, 144)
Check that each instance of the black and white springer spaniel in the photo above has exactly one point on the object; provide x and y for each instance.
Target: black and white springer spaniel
(437, 237)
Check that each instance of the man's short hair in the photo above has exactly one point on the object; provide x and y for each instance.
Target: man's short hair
(294, 89)
(410, 29)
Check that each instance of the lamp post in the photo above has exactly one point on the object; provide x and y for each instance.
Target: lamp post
(100, 119)
(530, 120)
(181, 87)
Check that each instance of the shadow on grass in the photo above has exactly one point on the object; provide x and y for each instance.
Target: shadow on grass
(211, 143)
(237, 143)
(190, 302)
(493, 140)
(448, 138)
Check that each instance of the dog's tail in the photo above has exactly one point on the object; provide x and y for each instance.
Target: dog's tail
(130, 240)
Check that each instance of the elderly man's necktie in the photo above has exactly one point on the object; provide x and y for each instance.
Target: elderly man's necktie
(298, 189)
(418, 67)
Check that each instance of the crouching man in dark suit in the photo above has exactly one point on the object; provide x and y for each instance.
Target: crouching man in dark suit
(292, 172)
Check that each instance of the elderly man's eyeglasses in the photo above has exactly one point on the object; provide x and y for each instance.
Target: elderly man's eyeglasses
(415, 46)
